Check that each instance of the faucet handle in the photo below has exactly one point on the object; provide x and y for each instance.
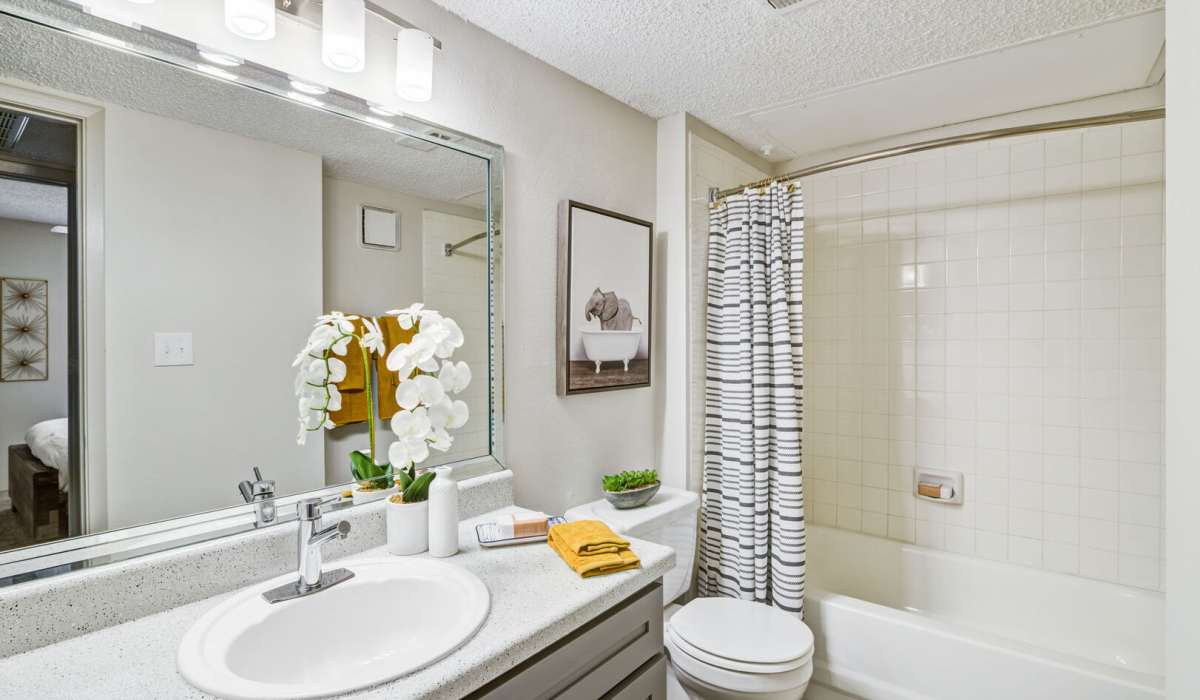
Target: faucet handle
(310, 508)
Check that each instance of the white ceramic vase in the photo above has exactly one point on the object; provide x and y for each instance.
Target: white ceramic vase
(407, 527)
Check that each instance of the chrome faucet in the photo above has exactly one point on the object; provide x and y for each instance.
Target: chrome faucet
(310, 578)
(260, 492)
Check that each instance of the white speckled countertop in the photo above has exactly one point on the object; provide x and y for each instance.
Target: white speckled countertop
(536, 600)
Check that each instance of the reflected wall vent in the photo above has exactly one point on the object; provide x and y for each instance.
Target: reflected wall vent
(12, 126)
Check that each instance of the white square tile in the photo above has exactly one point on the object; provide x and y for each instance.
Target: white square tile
(1025, 551)
(1138, 571)
(993, 161)
(991, 545)
(1064, 148)
(1142, 137)
(1099, 504)
(1060, 557)
(1102, 142)
(1094, 563)
(1098, 534)
(1101, 174)
(1143, 168)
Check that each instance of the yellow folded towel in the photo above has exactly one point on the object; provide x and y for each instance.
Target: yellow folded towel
(354, 408)
(586, 537)
(609, 558)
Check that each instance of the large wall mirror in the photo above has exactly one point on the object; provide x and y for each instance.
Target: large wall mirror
(169, 231)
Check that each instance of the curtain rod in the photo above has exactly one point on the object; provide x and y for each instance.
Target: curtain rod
(1118, 118)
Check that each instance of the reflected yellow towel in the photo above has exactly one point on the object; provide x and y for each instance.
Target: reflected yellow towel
(610, 559)
(354, 408)
(388, 380)
(586, 537)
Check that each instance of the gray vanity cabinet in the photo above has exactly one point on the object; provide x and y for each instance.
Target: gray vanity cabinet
(618, 656)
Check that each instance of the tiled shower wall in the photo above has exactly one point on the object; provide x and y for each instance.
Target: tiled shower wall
(994, 309)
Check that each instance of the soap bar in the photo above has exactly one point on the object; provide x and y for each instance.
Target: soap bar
(529, 524)
(930, 490)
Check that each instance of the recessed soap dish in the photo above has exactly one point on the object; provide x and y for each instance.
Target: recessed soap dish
(949, 486)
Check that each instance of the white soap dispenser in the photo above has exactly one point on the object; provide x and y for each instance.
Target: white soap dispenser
(443, 514)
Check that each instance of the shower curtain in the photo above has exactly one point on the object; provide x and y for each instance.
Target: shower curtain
(752, 542)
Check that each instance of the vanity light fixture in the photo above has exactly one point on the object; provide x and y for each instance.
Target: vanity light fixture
(414, 65)
(306, 87)
(379, 122)
(306, 99)
(218, 58)
(215, 71)
(251, 19)
(344, 35)
(62, 230)
(142, 2)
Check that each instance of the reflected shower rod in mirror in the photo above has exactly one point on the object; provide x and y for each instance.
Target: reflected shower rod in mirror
(449, 248)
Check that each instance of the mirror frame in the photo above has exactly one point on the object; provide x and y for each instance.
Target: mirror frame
(86, 551)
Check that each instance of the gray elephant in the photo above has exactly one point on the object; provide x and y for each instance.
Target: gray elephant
(614, 313)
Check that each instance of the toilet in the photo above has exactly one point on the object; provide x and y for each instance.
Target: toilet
(720, 648)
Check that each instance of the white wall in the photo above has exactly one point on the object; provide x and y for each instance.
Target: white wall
(563, 140)
(28, 249)
(994, 309)
(457, 287)
(1182, 349)
(692, 157)
(218, 235)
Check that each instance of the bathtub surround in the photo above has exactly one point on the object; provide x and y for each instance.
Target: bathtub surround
(752, 519)
(995, 309)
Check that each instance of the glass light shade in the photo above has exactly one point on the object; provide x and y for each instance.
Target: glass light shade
(414, 65)
(251, 19)
(343, 35)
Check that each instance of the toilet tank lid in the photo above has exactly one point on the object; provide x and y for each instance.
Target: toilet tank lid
(667, 505)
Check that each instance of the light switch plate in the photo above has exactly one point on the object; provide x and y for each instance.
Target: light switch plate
(172, 349)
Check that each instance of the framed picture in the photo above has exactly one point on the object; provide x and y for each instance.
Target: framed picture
(24, 330)
(604, 287)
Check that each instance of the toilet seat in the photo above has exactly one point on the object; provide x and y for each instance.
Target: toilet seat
(740, 645)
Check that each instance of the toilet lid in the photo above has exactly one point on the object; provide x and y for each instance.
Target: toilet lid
(742, 632)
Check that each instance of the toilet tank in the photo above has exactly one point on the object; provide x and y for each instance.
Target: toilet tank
(668, 519)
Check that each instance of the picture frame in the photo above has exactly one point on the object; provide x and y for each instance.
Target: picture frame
(605, 300)
(24, 330)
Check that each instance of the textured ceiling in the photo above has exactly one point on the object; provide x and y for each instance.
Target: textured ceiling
(31, 201)
(349, 150)
(719, 59)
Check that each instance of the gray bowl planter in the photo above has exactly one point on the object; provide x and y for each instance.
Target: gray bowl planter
(633, 498)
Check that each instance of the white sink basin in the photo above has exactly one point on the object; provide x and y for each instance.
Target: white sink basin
(395, 616)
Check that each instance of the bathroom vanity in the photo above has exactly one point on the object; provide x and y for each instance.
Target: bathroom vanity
(549, 633)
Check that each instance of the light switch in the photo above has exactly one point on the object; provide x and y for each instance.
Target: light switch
(172, 349)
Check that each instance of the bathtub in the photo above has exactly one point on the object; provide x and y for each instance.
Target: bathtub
(893, 620)
(611, 346)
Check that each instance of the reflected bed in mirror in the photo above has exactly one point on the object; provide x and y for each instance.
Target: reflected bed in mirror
(168, 237)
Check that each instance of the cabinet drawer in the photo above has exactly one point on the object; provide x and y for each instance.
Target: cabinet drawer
(648, 683)
(591, 661)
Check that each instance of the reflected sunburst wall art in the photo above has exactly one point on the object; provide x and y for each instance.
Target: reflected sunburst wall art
(24, 330)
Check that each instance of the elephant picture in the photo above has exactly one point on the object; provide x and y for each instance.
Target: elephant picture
(603, 300)
(614, 313)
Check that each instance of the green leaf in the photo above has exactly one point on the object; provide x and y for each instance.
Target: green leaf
(403, 479)
(366, 472)
(418, 490)
(628, 480)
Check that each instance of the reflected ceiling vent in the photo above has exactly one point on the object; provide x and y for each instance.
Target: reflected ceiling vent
(432, 136)
(789, 4)
(12, 126)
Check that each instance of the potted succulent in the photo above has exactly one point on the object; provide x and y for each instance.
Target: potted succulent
(630, 488)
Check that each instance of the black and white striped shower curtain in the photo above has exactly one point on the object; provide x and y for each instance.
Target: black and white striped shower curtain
(752, 541)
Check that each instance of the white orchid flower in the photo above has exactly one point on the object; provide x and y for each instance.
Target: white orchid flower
(420, 390)
(455, 376)
(412, 429)
(339, 321)
(372, 339)
(335, 398)
(459, 414)
(407, 317)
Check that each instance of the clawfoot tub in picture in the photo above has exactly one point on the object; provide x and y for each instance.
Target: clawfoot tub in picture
(611, 346)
